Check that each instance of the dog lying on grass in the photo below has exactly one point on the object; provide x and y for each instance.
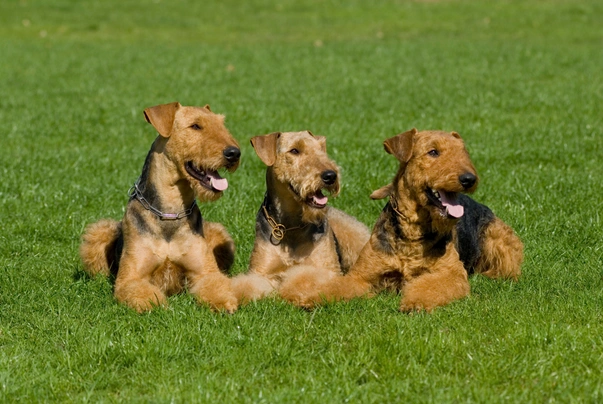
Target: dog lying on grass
(163, 245)
(429, 236)
(296, 232)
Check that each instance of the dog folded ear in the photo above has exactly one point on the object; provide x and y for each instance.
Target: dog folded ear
(323, 142)
(162, 117)
(382, 192)
(455, 134)
(207, 107)
(321, 139)
(401, 145)
(265, 147)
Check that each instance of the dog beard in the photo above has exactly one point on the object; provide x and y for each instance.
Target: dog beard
(441, 223)
(313, 215)
(203, 194)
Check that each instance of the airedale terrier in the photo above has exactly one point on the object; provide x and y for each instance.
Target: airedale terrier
(296, 232)
(163, 245)
(429, 236)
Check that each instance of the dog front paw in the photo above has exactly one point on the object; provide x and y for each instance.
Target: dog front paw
(300, 299)
(306, 286)
(409, 305)
(229, 305)
(411, 308)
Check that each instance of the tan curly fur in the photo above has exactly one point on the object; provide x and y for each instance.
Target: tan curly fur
(318, 239)
(413, 244)
(155, 257)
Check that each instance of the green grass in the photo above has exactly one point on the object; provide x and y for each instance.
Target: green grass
(520, 80)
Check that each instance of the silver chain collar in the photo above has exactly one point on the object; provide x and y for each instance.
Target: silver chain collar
(134, 192)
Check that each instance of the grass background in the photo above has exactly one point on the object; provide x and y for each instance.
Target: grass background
(520, 80)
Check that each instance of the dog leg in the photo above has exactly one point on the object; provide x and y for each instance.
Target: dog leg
(351, 235)
(434, 289)
(215, 289)
(207, 283)
(502, 252)
(308, 287)
(133, 286)
(220, 244)
(251, 286)
(263, 275)
(305, 286)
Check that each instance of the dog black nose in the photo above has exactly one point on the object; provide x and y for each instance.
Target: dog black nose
(232, 154)
(467, 180)
(328, 177)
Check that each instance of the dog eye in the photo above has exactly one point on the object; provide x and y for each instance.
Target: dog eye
(195, 127)
(294, 151)
(433, 153)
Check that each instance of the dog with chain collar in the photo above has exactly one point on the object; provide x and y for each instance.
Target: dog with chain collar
(163, 244)
(296, 232)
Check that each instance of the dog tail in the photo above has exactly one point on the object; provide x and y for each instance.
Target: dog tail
(98, 249)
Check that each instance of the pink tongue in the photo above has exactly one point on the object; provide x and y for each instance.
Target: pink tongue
(450, 202)
(217, 182)
(320, 199)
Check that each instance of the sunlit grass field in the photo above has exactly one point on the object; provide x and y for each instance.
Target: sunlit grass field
(519, 80)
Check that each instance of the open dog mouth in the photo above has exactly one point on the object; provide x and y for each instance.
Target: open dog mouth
(317, 200)
(210, 179)
(447, 202)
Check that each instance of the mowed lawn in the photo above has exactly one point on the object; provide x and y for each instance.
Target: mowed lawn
(519, 80)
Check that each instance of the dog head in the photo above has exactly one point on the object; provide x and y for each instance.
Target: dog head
(198, 144)
(298, 164)
(434, 168)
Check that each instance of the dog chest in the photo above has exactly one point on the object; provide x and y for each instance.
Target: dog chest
(169, 277)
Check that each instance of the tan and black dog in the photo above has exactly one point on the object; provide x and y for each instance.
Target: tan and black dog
(430, 235)
(163, 245)
(296, 232)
